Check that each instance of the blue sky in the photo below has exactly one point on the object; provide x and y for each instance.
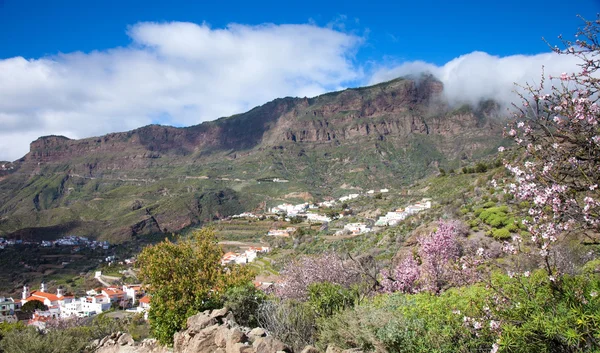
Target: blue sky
(435, 31)
(86, 68)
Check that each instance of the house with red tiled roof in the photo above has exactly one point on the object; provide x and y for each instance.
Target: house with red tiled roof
(144, 306)
(114, 294)
(42, 296)
(228, 258)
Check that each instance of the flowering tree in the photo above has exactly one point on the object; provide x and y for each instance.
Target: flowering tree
(299, 274)
(559, 134)
(438, 252)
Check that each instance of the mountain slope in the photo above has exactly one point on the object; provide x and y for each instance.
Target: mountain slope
(162, 179)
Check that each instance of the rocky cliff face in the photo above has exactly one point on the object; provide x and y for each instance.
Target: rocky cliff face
(397, 108)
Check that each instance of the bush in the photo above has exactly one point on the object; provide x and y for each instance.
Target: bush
(244, 302)
(30, 340)
(552, 315)
(481, 167)
(327, 298)
(489, 204)
(495, 216)
(410, 323)
(501, 234)
(32, 306)
(291, 321)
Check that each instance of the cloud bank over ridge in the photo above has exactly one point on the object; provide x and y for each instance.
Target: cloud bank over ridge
(477, 76)
(184, 73)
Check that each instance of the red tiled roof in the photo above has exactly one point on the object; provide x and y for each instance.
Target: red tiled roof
(49, 296)
(113, 291)
(145, 300)
(34, 298)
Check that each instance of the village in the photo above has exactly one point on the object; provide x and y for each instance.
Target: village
(58, 305)
(77, 242)
(309, 212)
(132, 299)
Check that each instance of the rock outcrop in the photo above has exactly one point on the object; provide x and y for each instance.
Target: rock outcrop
(206, 332)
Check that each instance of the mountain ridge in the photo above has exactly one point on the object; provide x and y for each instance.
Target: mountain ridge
(391, 133)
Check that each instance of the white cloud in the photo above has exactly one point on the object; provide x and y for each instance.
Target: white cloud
(476, 76)
(172, 73)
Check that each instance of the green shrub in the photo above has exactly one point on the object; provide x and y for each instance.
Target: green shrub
(244, 301)
(501, 233)
(474, 223)
(327, 298)
(551, 316)
(489, 204)
(410, 323)
(477, 211)
(30, 340)
(495, 216)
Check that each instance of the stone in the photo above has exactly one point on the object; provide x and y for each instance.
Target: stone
(221, 336)
(235, 336)
(218, 313)
(103, 341)
(269, 344)
(199, 322)
(352, 350)
(256, 332)
(310, 349)
(125, 339)
(239, 348)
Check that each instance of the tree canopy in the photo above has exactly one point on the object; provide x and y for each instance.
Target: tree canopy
(184, 278)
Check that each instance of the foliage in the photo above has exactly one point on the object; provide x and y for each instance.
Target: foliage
(299, 274)
(244, 301)
(184, 278)
(410, 323)
(537, 313)
(501, 234)
(33, 305)
(30, 340)
(291, 321)
(327, 298)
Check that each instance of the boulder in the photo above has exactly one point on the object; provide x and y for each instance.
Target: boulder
(239, 348)
(219, 313)
(200, 321)
(310, 349)
(236, 336)
(190, 341)
(256, 332)
(221, 336)
(269, 344)
(125, 339)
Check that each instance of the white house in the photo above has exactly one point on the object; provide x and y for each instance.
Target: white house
(357, 228)
(314, 217)
(132, 291)
(85, 306)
